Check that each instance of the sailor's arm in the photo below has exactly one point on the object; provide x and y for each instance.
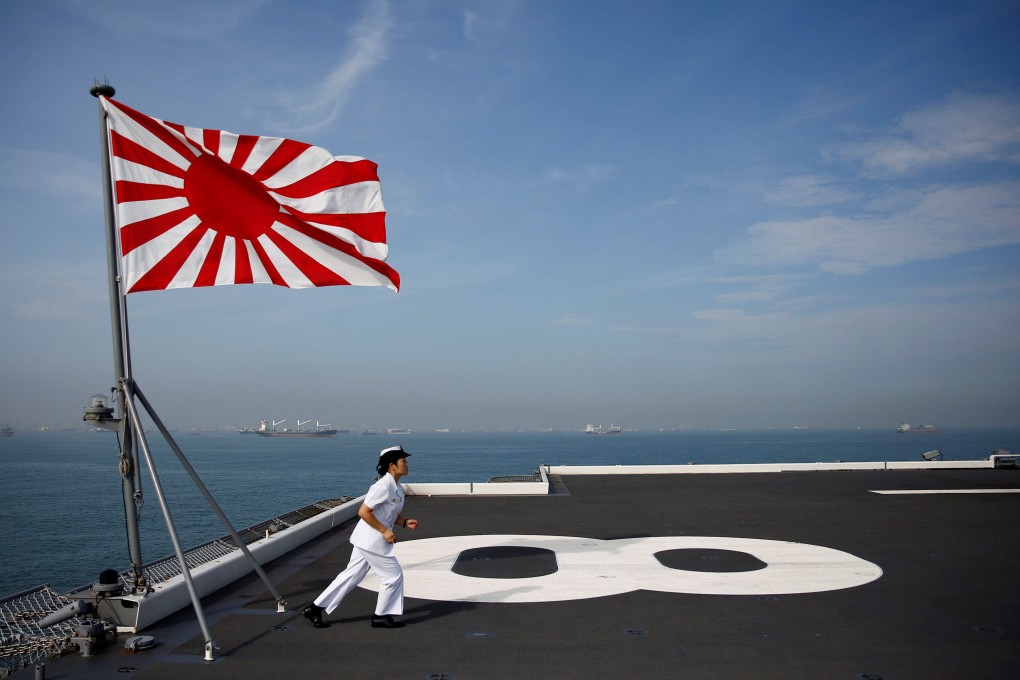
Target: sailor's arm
(365, 513)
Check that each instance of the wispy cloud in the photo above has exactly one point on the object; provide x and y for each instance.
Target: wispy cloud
(573, 320)
(937, 222)
(810, 191)
(820, 102)
(485, 21)
(1005, 287)
(323, 103)
(854, 224)
(966, 127)
(580, 178)
(759, 288)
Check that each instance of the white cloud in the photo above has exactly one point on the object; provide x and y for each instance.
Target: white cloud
(573, 319)
(821, 101)
(471, 19)
(1009, 286)
(810, 191)
(965, 127)
(325, 101)
(758, 288)
(938, 222)
(902, 221)
(727, 314)
(581, 178)
(489, 22)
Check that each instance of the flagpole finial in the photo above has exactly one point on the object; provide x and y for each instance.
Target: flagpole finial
(104, 90)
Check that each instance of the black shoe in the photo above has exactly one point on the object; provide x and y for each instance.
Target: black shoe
(313, 613)
(386, 622)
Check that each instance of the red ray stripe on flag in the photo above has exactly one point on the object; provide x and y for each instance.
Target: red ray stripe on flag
(211, 265)
(153, 126)
(242, 267)
(164, 271)
(128, 192)
(369, 226)
(132, 151)
(281, 158)
(211, 141)
(245, 145)
(314, 271)
(139, 233)
(346, 248)
(330, 177)
(274, 275)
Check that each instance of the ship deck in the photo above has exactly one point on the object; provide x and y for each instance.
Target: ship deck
(635, 587)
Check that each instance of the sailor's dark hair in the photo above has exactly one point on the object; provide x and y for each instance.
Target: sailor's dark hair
(390, 455)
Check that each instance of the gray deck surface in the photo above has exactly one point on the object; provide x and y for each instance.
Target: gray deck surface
(946, 606)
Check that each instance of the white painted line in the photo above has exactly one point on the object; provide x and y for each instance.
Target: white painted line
(904, 492)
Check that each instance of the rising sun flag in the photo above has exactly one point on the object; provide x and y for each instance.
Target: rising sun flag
(198, 207)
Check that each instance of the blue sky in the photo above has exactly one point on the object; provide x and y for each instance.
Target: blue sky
(652, 214)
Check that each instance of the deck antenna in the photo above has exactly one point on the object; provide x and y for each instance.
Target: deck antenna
(129, 426)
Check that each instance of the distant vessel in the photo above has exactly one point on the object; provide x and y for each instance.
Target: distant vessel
(267, 430)
(6, 431)
(612, 429)
(398, 430)
(920, 429)
(368, 432)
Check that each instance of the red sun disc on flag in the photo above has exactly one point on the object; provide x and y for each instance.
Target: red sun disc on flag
(228, 200)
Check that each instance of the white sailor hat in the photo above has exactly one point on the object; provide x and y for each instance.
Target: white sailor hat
(391, 455)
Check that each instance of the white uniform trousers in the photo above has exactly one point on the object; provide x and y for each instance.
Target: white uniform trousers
(391, 580)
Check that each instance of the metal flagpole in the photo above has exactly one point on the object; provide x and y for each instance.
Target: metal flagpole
(131, 489)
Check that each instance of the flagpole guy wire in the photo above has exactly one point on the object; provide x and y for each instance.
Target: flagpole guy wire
(137, 392)
(129, 389)
(131, 433)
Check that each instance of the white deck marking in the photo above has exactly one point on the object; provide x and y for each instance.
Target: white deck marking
(906, 492)
(589, 567)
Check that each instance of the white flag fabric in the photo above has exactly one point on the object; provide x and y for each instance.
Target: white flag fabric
(200, 207)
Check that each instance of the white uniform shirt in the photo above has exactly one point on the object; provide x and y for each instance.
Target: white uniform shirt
(386, 499)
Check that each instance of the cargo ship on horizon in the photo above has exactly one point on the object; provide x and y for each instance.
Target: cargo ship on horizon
(267, 430)
(612, 429)
(918, 429)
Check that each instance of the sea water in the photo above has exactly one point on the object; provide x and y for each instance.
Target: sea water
(62, 512)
